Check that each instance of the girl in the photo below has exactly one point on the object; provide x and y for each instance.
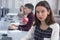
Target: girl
(45, 27)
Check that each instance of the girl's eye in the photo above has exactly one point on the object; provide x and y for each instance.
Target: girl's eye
(42, 11)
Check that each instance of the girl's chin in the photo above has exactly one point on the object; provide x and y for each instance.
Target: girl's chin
(42, 20)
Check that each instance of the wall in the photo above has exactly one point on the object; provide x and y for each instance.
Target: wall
(0, 3)
(14, 5)
(54, 6)
(58, 4)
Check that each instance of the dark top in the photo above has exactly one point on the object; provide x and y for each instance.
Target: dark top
(29, 24)
(40, 34)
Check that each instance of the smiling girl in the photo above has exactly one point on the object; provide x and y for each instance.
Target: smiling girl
(45, 26)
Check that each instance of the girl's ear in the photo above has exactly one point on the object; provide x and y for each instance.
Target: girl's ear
(48, 12)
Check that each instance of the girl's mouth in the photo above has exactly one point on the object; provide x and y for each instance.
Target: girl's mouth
(40, 17)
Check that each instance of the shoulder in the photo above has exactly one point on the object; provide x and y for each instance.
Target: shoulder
(31, 14)
(54, 26)
(55, 31)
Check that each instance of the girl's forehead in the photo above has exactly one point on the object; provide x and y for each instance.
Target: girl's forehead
(40, 8)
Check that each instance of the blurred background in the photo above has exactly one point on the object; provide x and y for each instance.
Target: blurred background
(10, 8)
(14, 5)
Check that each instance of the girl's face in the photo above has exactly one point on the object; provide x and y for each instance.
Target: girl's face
(41, 13)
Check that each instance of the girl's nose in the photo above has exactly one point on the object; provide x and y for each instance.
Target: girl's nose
(40, 13)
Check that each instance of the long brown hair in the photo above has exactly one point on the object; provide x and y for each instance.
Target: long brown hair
(49, 20)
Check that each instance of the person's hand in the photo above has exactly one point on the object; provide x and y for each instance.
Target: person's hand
(13, 27)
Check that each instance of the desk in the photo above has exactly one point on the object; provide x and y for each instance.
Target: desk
(15, 34)
(10, 18)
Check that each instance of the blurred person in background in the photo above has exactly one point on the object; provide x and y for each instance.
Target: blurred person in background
(28, 18)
